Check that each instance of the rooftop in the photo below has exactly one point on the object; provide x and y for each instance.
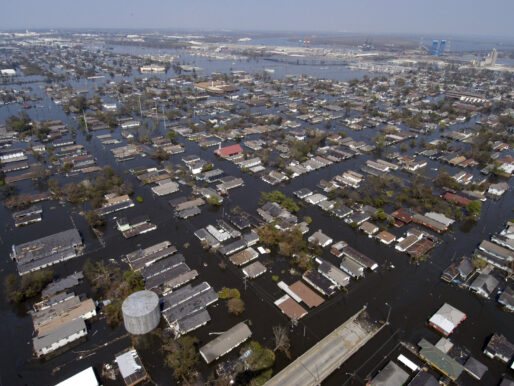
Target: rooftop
(225, 342)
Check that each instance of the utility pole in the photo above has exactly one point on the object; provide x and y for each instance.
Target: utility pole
(388, 312)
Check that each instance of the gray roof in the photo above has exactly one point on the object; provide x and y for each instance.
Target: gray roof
(62, 284)
(333, 273)
(163, 277)
(424, 378)
(475, 368)
(56, 335)
(140, 303)
(390, 375)
(162, 265)
(192, 305)
(183, 294)
(193, 321)
(507, 297)
(130, 366)
(255, 269)
(484, 283)
(225, 342)
(45, 246)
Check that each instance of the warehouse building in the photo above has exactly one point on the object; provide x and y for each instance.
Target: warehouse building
(226, 342)
(46, 251)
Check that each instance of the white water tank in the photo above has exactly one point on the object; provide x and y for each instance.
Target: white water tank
(141, 312)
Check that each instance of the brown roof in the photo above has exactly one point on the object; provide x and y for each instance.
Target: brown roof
(309, 297)
(289, 307)
(386, 236)
(228, 151)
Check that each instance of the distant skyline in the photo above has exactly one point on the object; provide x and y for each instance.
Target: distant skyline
(456, 17)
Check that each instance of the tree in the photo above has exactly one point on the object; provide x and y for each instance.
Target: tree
(182, 356)
(94, 220)
(236, 306)
(229, 293)
(213, 200)
(29, 286)
(474, 208)
(172, 135)
(282, 341)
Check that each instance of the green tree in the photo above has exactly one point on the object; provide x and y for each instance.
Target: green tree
(182, 356)
(229, 293)
(94, 220)
(474, 208)
(236, 306)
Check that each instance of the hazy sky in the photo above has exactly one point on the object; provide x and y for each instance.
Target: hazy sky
(462, 17)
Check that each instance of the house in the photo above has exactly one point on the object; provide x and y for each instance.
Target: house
(225, 342)
(332, 273)
(360, 258)
(254, 270)
(405, 243)
(404, 215)
(484, 285)
(316, 198)
(507, 298)
(46, 251)
(386, 237)
(500, 348)
(446, 319)
(368, 228)
(319, 282)
(352, 268)
(290, 307)
(475, 368)
(450, 274)
(59, 337)
(357, 218)
(303, 193)
(131, 368)
(85, 377)
(465, 268)
(498, 189)
(429, 223)
(319, 238)
(440, 360)
(391, 374)
(341, 211)
(456, 199)
(229, 151)
(423, 378)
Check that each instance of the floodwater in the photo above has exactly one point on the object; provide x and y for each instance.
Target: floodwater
(414, 292)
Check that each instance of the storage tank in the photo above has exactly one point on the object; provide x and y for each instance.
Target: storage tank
(141, 312)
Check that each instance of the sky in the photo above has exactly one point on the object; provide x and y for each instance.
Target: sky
(456, 17)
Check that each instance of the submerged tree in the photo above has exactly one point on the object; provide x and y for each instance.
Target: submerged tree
(282, 341)
(182, 357)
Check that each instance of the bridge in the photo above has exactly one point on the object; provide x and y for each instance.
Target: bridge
(328, 354)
